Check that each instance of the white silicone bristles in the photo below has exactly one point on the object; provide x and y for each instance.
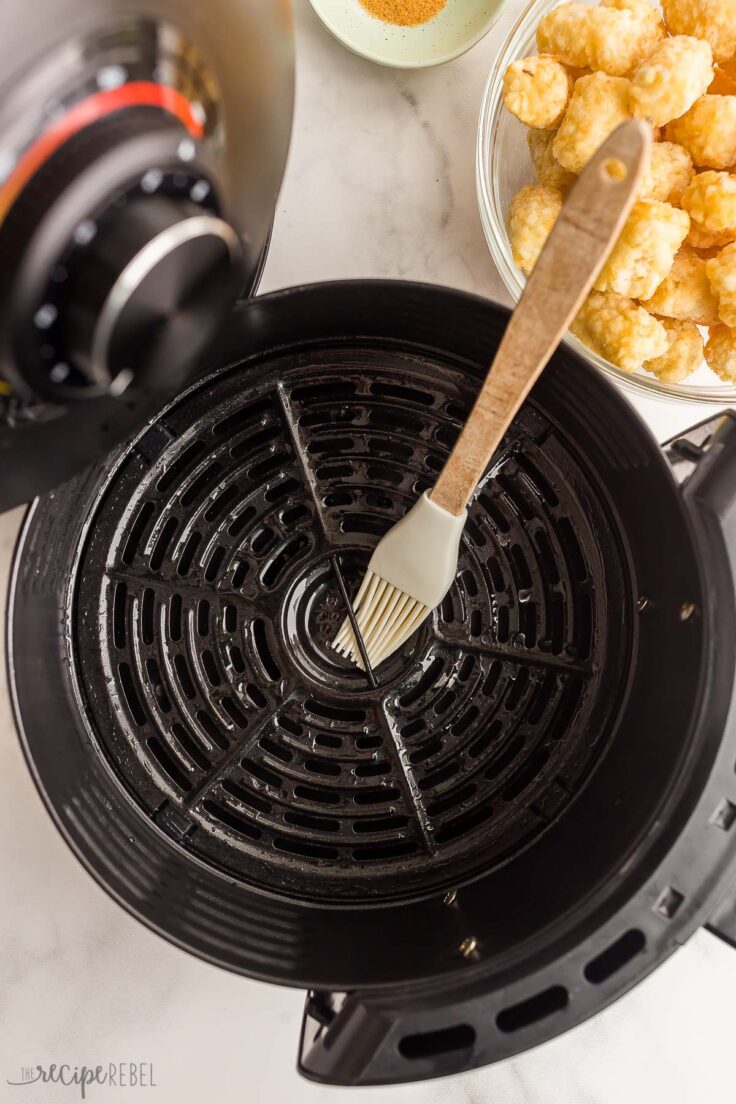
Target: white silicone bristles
(386, 618)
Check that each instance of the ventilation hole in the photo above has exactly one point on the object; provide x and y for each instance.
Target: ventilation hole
(389, 446)
(276, 750)
(214, 564)
(514, 494)
(211, 729)
(186, 460)
(131, 694)
(235, 714)
(329, 392)
(263, 774)
(724, 815)
(428, 679)
(526, 776)
(368, 743)
(159, 690)
(668, 902)
(236, 658)
(433, 462)
(376, 796)
(556, 630)
(546, 557)
(260, 641)
(528, 623)
(241, 570)
(271, 575)
(491, 679)
(146, 614)
(516, 689)
(456, 411)
(572, 550)
(229, 619)
(426, 751)
(491, 506)
(281, 490)
(136, 532)
(323, 766)
(259, 472)
(189, 745)
(203, 617)
(446, 435)
(168, 764)
(533, 1010)
(380, 824)
(384, 851)
(437, 777)
(379, 473)
(337, 498)
(247, 797)
(476, 623)
(242, 418)
(254, 442)
(536, 477)
(332, 446)
(464, 721)
(505, 758)
(294, 515)
(371, 770)
(231, 820)
(200, 484)
(335, 712)
(306, 850)
(519, 567)
(447, 609)
(185, 679)
(444, 701)
(120, 615)
(484, 739)
(362, 523)
(391, 417)
(322, 739)
(210, 668)
(289, 725)
(238, 524)
(430, 1043)
(413, 728)
(615, 957)
(584, 626)
(256, 696)
(502, 624)
(327, 472)
(312, 823)
(451, 800)
(318, 796)
(163, 542)
(262, 540)
(175, 606)
(221, 503)
(466, 668)
(465, 823)
(188, 553)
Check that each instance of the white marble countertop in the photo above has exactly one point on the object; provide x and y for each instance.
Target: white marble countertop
(380, 183)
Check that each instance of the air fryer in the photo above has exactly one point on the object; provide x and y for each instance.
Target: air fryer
(499, 830)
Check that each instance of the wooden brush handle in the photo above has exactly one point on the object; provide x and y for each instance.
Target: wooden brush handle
(582, 238)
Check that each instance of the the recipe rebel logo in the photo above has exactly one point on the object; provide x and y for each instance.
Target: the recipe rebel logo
(114, 1075)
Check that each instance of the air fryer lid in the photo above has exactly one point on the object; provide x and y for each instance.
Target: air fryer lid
(508, 786)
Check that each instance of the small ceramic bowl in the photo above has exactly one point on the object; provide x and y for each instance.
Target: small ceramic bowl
(456, 28)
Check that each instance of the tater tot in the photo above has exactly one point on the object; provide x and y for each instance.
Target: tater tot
(620, 330)
(713, 20)
(684, 354)
(710, 200)
(546, 166)
(704, 240)
(665, 85)
(708, 131)
(536, 90)
(669, 173)
(612, 38)
(723, 84)
(645, 251)
(685, 293)
(531, 216)
(720, 352)
(721, 272)
(597, 106)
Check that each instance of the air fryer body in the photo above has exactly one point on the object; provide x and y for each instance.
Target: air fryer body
(531, 807)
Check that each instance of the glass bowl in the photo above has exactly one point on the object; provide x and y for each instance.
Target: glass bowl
(503, 165)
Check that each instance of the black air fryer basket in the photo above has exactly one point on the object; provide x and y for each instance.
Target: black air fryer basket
(514, 818)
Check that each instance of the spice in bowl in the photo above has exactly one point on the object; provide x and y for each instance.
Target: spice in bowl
(404, 13)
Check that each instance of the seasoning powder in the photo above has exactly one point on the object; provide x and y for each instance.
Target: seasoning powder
(404, 13)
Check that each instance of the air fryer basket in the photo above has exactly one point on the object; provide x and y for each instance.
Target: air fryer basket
(504, 826)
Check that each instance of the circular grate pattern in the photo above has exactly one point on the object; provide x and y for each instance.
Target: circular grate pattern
(213, 579)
